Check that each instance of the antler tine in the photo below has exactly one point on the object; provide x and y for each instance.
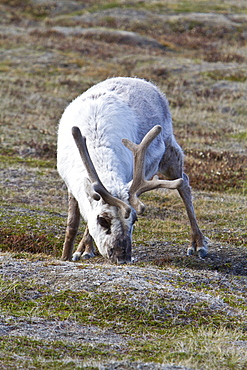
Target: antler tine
(97, 186)
(139, 153)
(139, 184)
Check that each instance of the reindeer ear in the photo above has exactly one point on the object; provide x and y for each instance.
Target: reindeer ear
(89, 189)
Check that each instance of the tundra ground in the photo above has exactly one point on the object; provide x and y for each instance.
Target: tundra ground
(164, 311)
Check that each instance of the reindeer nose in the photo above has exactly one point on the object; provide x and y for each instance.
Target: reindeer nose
(121, 261)
(120, 251)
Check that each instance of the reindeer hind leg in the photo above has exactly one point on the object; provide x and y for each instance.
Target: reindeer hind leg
(171, 166)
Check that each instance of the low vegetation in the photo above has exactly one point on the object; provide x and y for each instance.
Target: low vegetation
(165, 308)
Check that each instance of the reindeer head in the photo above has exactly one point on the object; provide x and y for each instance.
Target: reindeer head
(111, 221)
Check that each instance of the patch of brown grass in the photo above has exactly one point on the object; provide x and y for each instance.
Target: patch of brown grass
(213, 55)
(213, 171)
(40, 150)
(26, 242)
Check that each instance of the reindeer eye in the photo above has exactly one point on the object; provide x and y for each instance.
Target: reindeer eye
(105, 223)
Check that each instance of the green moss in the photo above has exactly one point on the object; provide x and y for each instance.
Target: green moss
(187, 6)
(197, 346)
(203, 347)
(11, 160)
(5, 67)
(217, 75)
(240, 135)
(46, 354)
(101, 309)
(194, 332)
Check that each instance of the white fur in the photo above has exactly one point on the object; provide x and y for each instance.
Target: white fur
(105, 117)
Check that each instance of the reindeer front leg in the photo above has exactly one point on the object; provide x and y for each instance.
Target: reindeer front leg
(198, 240)
(85, 248)
(73, 221)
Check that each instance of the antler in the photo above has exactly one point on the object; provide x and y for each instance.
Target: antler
(139, 184)
(97, 186)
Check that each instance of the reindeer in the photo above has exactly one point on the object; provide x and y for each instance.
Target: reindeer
(112, 140)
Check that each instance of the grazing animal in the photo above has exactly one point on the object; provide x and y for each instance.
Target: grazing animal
(99, 134)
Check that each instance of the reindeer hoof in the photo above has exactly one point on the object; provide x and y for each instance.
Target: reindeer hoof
(87, 255)
(190, 251)
(76, 256)
(201, 251)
